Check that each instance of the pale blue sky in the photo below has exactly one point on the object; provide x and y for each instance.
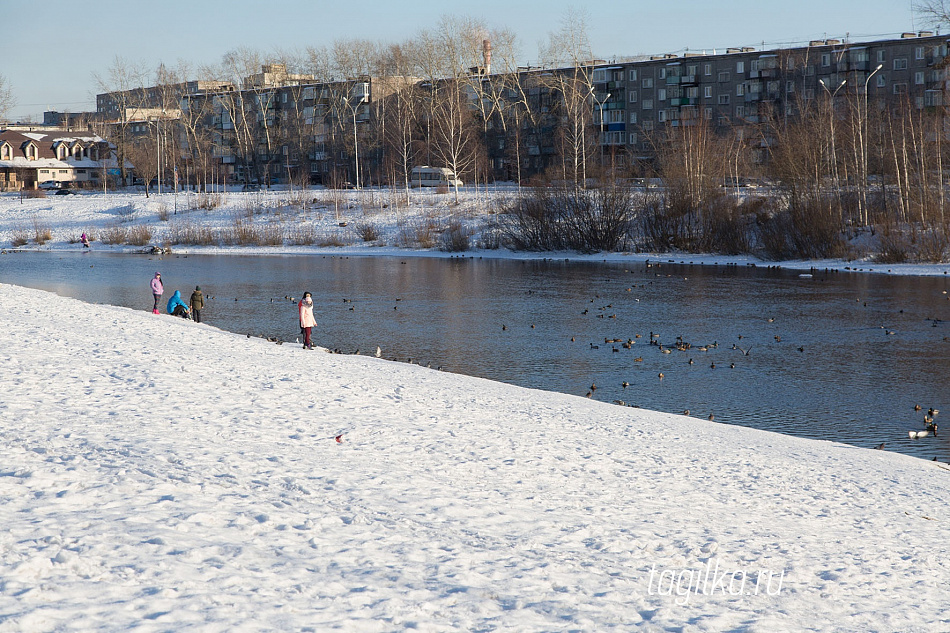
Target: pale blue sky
(50, 52)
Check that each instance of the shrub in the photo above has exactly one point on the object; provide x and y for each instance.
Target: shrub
(367, 231)
(302, 235)
(20, 237)
(192, 234)
(456, 238)
(42, 232)
(33, 193)
(115, 234)
(139, 235)
(163, 213)
(331, 239)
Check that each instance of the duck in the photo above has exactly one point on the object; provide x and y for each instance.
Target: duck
(625, 384)
(660, 375)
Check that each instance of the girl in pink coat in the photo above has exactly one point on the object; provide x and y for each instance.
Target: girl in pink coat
(157, 290)
(307, 321)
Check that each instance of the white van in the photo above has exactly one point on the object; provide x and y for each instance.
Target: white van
(426, 176)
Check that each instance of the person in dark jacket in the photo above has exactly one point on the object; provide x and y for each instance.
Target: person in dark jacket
(177, 307)
(197, 303)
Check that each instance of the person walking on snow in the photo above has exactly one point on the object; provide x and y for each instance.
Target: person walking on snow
(84, 240)
(177, 307)
(197, 303)
(157, 290)
(307, 321)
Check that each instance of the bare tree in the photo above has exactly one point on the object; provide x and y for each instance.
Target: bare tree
(7, 100)
(124, 84)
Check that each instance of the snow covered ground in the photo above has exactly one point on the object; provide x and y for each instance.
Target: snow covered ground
(310, 222)
(161, 475)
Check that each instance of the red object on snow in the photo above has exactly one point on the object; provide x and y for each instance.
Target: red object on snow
(339, 438)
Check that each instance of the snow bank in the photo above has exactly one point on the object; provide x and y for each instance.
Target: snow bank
(157, 474)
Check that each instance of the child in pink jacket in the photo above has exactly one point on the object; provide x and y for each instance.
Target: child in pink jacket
(307, 321)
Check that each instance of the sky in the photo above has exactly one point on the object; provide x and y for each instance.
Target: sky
(50, 56)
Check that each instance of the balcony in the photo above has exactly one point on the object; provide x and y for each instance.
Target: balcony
(687, 79)
(672, 81)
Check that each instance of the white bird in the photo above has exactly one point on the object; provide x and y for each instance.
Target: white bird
(917, 434)
(379, 352)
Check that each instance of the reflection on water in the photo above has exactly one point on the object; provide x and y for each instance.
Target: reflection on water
(839, 356)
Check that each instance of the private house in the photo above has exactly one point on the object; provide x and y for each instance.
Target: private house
(28, 158)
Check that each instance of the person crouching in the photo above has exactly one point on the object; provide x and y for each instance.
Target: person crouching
(177, 307)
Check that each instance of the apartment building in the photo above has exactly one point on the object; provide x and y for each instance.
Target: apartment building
(742, 87)
(279, 126)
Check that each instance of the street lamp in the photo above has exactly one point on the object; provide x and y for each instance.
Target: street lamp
(356, 148)
(863, 130)
(600, 107)
(831, 118)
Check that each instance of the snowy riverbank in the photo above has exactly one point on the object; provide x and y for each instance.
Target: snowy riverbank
(159, 474)
(319, 221)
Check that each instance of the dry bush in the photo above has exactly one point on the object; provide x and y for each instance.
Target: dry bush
(42, 232)
(206, 201)
(20, 237)
(302, 235)
(893, 247)
(244, 233)
(456, 238)
(115, 234)
(417, 235)
(33, 193)
(367, 231)
(331, 239)
(126, 213)
(192, 234)
(933, 246)
(163, 213)
(139, 235)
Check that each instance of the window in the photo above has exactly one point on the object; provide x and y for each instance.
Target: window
(790, 63)
(919, 102)
(5, 152)
(632, 138)
(691, 70)
(614, 138)
(648, 126)
(919, 52)
(919, 78)
(809, 71)
(880, 56)
(707, 92)
(900, 63)
(633, 74)
(661, 94)
(284, 97)
(900, 89)
(708, 114)
(789, 86)
(740, 111)
(825, 60)
(632, 96)
(647, 82)
(308, 93)
(707, 70)
(661, 116)
(600, 75)
(723, 99)
(740, 90)
(633, 117)
(740, 67)
(613, 116)
(647, 104)
(881, 81)
(693, 92)
(723, 76)
(808, 93)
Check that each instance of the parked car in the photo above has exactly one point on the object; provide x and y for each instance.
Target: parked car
(251, 186)
(64, 192)
(50, 184)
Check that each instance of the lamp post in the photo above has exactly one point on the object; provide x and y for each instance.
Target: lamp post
(356, 146)
(831, 119)
(600, 108)
(863, 129)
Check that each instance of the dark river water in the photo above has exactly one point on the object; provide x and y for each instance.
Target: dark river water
(839, 356)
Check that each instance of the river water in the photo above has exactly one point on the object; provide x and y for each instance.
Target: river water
(838, 356)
